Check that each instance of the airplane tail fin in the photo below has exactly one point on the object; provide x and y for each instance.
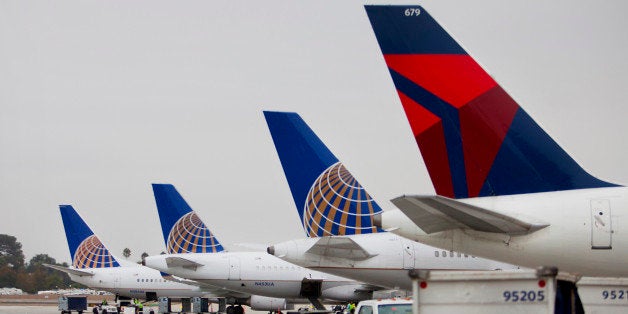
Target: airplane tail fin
(182, 228)
(85, 248)
(330, 201)
(474, 138)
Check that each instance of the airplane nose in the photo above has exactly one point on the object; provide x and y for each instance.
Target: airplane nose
(270, 250)
(377, 220)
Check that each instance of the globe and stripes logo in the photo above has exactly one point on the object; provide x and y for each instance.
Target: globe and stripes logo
(91, 253)
(189, 235)
(338, 205)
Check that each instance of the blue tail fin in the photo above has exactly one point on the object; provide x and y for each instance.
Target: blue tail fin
(183, 230)
(85, 248)
(474, 138)
(329, 200)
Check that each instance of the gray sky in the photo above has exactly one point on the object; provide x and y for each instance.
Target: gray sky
(98, 99)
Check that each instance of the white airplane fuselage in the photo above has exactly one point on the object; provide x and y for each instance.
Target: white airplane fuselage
(258, 273)
(135, 282)
(391, 257)
(585, 233)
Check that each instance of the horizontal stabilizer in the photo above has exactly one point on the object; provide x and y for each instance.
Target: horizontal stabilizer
(175, 261)
(70, 270)
(435, 213)
(341, 247)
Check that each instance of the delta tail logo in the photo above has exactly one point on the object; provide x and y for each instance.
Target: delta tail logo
(468, 129)
(91, 253)
(190, 235)
(338, 204)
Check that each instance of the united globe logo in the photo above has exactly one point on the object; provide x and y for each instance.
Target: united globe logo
(91, 253)
(338, 205)
(189, 235)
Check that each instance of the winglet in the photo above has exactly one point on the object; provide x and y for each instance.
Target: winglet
(85, 248)
(183, 230)
(474, 138)
(330, 201)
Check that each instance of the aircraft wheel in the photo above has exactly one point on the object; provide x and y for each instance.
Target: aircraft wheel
(239, 309)
(231, 309)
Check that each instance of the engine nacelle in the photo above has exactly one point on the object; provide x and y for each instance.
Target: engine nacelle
(347, 292)
(260, 303)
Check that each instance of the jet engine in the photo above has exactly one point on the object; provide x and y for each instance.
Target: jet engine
(260, 303)
(348, 292)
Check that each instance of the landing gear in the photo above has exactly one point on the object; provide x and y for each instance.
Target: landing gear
(235, 309)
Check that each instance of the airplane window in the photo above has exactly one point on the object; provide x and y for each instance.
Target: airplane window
(459, 254)
(466, 255)
(138, 280)
(444, 253)
(451, 253)
(436, 253)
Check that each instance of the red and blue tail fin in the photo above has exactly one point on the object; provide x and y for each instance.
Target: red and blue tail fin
(85, 248)
(474, 138)
(328, 198)
(183, 230)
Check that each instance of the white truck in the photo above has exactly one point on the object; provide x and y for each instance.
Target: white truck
(385, 306)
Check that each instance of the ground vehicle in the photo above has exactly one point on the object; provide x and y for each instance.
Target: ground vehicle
(385, 306)
(109, 309)
(67, 304)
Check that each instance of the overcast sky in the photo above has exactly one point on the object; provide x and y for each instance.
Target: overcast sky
(98, 99)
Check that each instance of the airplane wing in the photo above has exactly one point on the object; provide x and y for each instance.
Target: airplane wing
(175, 261)
(434, 213)
(339, 246)
(370, 288)
(211, 290)
(70, 270)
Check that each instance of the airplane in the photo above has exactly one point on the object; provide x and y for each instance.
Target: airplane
(336, 213)
(195, 254)
(94, 266)
(505, 189)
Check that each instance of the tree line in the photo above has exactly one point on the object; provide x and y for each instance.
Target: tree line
(32, 276)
